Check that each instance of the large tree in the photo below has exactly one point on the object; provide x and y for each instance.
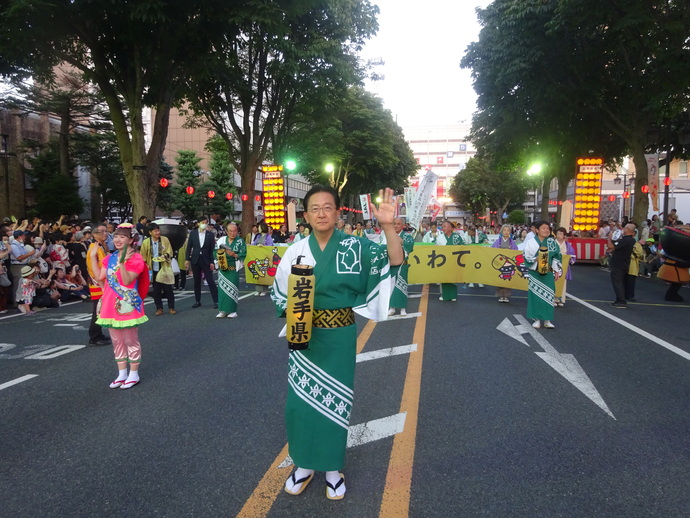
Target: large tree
(279, 59)
(139, 54)
(579, 77)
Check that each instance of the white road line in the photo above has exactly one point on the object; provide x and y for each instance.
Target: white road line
(252, 294)
(385, 353)
(374, 430)
(370, 431)
(680, 352)
(18, 380)
(65, 325)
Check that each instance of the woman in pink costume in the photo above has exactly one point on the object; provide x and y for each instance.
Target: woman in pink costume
(126, 283)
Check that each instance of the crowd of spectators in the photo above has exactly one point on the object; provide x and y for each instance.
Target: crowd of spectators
(44, 263)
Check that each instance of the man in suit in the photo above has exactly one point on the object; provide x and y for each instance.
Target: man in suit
(199, 259)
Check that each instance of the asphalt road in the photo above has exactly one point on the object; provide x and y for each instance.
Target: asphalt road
(464, 412)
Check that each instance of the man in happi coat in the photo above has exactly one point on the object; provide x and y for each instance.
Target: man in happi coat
(351, 274)
(230, 251)
(399, 296)
(449, 291)
(543, 258)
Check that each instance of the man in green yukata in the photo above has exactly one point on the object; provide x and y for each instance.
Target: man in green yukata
(352, 274)
(449, 291)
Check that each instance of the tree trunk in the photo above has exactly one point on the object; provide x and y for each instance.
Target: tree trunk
(545, 191)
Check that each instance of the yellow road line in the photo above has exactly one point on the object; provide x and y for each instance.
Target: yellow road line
(262, 499)
(396, 494)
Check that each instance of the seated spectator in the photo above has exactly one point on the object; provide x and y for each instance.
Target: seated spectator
(75, 276)
(68, 290)
(44, 298)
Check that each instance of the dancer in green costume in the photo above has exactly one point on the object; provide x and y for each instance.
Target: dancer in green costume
(543, 257)
(352, 274)
(234, 250)
(448, 237)
(399, 296)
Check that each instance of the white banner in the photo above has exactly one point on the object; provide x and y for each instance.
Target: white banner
(653, 179)
(410, 195)
(365, 202)
(427, 187)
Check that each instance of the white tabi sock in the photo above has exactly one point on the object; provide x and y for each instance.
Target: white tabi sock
(133, 376)
(333, 478)
(300, 473)
(122, 375)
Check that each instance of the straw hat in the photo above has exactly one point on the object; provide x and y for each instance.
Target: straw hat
(27, 270)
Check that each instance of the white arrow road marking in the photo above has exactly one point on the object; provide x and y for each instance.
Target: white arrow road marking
(384, 353)
(512, 331)
(18, 380)
(367, 432)
(564, 364)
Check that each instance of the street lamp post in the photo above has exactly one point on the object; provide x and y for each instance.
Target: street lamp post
(534, 170)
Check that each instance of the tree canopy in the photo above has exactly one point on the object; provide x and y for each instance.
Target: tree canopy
(139, 55)
(578, 77)
(478, 187)
(254, 80)
(358, 137)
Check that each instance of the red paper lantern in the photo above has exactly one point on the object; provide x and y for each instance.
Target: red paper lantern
(667, 181)
(257, 197)
(211, 194)
(164, 182)
(228, 196)
(190, 190)
(645, 189)
(612, 197)
(626, 195)
(245, 197)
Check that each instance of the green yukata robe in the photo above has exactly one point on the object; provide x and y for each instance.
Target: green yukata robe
(229, 280)
(350, 272)
(541, 291)
(399, 296)
(450, 291)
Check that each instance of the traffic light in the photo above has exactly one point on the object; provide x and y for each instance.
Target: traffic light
(290, 165)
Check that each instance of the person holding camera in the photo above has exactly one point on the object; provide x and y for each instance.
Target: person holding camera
(231, 250)
(158, 253)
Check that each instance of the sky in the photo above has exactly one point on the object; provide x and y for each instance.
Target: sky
(422, 47)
